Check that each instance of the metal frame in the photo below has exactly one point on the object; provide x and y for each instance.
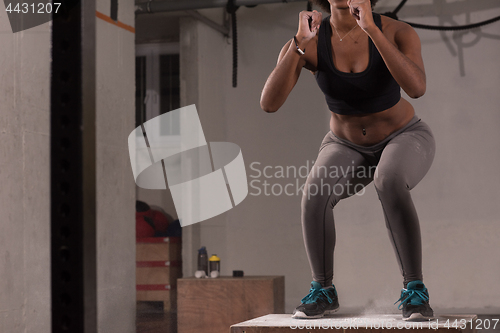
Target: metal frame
(72, 169)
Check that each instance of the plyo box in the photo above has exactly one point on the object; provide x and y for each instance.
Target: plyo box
(158, 266)
(212, 305)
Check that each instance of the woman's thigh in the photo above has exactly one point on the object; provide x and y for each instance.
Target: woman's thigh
(338, 172)
(406, 158)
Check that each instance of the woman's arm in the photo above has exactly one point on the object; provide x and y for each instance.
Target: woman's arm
(290, 62)
(283, 78)
(404, 60)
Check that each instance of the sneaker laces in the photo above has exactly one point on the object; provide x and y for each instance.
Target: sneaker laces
(314, 294)
(414, 295)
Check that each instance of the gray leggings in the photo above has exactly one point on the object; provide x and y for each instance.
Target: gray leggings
(396, 165)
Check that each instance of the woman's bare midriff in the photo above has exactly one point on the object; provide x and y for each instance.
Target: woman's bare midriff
(377, 126)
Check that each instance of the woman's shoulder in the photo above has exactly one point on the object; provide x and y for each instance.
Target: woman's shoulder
(393, 25)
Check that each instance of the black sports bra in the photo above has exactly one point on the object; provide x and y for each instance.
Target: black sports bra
(370, 91)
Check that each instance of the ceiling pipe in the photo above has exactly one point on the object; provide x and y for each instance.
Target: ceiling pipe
(171, 6)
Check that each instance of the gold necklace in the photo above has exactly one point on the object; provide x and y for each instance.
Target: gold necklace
(355, 40)
(341, 38)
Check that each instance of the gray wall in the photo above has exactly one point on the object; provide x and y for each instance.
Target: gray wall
(24, 175)
(457, 201)
(24, 170)
(115, 118)
(202, 83)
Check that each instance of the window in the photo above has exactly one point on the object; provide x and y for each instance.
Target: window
(158, 84)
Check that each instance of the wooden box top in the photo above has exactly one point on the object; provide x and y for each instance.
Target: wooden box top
(223, 277)
(358, 322)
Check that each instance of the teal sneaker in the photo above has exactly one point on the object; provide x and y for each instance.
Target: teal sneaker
(415, 302)
(317, 303)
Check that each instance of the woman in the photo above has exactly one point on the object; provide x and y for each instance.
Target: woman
(361, 60)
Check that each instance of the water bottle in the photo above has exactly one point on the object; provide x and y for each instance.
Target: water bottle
(214, 266)
(203, 260)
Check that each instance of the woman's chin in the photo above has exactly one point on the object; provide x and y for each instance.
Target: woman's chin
(340, 4)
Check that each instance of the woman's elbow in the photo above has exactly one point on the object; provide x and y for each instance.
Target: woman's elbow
(417, 91)
(268, 108)
(267, 105)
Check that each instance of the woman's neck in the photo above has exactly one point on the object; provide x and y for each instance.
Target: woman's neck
(342, 19)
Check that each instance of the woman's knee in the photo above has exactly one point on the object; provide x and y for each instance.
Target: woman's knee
(316, 195)
(390, 182)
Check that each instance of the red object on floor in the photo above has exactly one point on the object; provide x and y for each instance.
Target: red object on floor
(160, 221)
(143, 228)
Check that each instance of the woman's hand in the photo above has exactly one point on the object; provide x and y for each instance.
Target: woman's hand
(362, 12)
(309, 23)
